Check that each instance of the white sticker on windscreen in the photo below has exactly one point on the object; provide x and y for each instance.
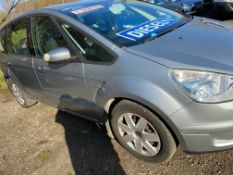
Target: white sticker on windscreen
(87, 9)
(147, 29)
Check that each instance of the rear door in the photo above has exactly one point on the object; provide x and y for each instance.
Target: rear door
(19, 57)
(2, 45)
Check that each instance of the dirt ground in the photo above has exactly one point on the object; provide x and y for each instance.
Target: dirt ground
(44, 141)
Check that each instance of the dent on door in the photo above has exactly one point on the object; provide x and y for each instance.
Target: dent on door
(64, 86)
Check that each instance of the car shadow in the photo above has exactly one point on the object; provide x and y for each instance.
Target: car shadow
(90, 149)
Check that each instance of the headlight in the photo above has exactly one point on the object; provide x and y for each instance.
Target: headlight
(205, 87)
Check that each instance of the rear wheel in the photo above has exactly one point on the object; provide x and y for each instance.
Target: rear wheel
(142, 133)
(19, 95)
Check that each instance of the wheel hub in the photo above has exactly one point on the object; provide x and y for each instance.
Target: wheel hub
(137, 134)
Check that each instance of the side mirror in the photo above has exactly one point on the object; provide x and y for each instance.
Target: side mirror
(57, 55)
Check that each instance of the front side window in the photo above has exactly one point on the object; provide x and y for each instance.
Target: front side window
(2, 41)
(88, 48)
(45, 36)
(126, 22)
(18, 38)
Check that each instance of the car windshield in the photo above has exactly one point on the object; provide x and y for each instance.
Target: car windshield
(126, 23)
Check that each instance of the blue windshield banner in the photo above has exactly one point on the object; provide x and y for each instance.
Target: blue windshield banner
(151, 28)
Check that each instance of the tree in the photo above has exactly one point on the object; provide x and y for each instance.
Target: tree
(14, 7)
(8, 7)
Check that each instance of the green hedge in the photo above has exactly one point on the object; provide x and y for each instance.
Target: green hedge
(2, 81)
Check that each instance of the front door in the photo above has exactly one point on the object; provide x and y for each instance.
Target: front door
(63, 84)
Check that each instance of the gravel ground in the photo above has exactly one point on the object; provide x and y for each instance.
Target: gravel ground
(44, 141)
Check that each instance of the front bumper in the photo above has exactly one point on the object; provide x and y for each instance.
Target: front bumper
(205, 127)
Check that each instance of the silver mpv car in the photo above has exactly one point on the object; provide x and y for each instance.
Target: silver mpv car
(156, 78)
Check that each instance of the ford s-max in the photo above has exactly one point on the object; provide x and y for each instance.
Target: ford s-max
(156, 78)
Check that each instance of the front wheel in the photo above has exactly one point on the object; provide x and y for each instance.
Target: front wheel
(142, 133)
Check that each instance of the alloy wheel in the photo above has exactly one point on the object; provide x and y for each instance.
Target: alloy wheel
(18, 94)
(139, 134)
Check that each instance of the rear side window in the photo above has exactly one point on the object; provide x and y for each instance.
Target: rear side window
(2, 41)
(45, 36)
(18, 37)
(91, 50)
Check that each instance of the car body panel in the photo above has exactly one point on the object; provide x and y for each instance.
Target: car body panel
(21, 67)
(132, 84)
(187, 42)
(64, 87)
(204, 127)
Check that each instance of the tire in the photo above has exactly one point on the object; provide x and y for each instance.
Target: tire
(19, 95)
(161, 140)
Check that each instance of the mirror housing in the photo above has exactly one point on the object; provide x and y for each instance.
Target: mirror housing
(57, 55)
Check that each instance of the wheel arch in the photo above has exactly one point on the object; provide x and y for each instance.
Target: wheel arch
(154, 97)
(111, 104)
(10, 75)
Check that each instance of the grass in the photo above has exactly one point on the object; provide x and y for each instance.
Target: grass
(3, 84)
(44, 155)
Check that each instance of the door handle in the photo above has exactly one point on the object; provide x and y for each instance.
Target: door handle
(41, 69)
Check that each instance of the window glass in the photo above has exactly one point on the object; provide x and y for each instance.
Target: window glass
(157, 2)
(89, 48)
(2, 41)
(18, 38)
(45, 36)
(126, 22)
